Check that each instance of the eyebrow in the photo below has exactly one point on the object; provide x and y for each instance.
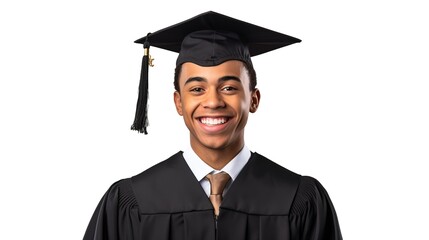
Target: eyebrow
(222, 79)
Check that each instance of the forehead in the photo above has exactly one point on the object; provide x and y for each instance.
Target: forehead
(228, 68)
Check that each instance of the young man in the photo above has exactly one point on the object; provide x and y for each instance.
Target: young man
(217, 188)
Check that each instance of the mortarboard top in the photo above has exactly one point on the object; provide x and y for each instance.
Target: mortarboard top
(258, 39)
(207, 39)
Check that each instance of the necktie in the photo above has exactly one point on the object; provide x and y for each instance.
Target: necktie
(217, 182)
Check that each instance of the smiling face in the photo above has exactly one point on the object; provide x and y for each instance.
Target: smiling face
(215, 103)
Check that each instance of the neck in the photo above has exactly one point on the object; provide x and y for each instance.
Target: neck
(217, 158)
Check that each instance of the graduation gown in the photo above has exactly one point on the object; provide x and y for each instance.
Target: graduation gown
(166, 202)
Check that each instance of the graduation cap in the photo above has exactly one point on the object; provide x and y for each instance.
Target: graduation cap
(207, 39)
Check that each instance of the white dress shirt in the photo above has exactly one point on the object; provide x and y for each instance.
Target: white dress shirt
(201, 169)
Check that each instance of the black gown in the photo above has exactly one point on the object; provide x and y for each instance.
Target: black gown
(166, 202)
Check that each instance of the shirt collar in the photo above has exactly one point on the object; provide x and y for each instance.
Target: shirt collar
(201, 169)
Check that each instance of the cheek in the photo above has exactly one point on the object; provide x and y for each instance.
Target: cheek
(188, 106)
(245, 109)
(245, 104)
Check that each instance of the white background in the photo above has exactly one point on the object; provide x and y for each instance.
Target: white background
(348, 106)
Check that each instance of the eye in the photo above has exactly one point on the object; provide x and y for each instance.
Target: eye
(196, 89)
(229, 89)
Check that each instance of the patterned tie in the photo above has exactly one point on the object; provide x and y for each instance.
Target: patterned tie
(218, 182)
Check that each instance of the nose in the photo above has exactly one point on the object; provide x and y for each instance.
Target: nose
(213, 99)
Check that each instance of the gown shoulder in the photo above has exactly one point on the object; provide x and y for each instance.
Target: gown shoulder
(114, 213)
(312, 214)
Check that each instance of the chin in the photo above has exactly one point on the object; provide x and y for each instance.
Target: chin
(214, 143)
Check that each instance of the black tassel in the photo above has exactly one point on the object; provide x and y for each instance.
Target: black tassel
(140, 120)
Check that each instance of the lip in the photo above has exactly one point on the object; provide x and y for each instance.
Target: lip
(213, 124)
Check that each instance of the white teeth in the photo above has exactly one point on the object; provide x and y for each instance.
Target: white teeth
(213, 121)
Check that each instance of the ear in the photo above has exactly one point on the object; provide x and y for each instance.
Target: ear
(255, 99)
(178, 103)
